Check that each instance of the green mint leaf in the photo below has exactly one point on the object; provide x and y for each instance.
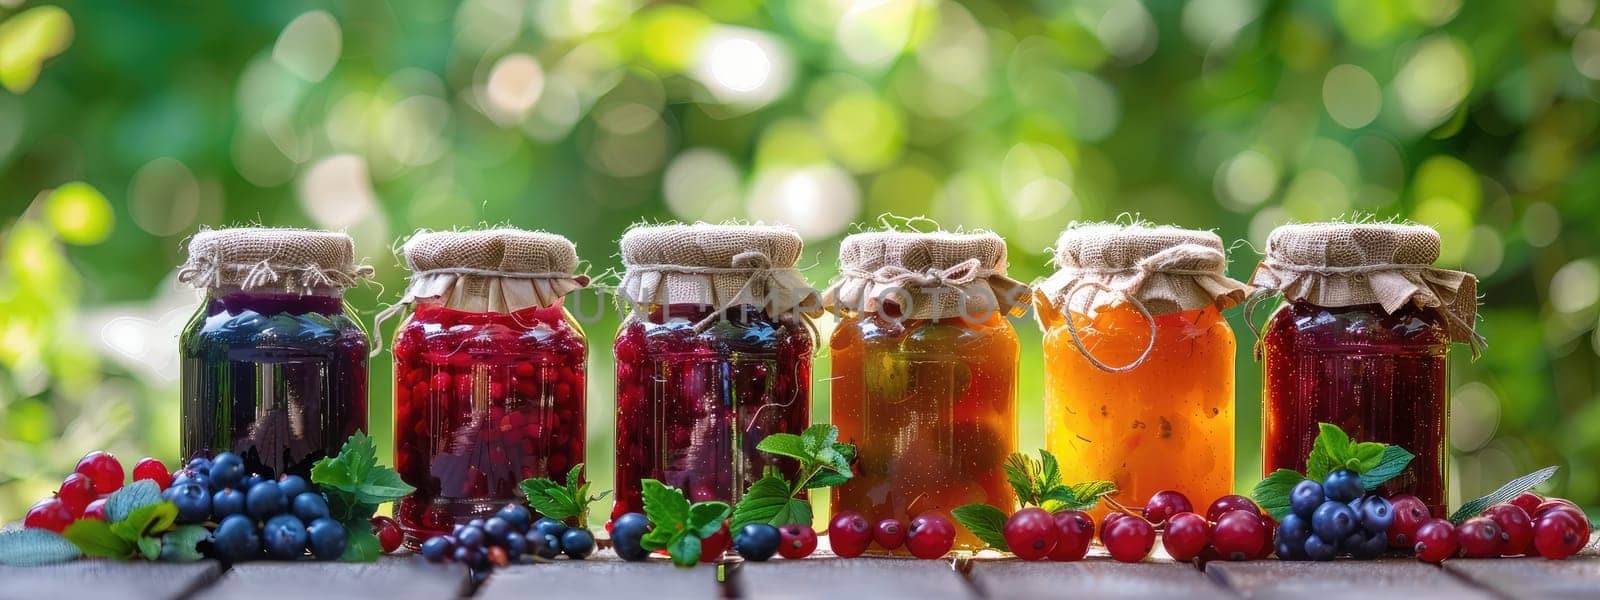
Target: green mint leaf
(131, 497)
(1393, 462)
(762, 502)
(685, 551)
(96, 539)
(984, 521)
(1078, 496)
(1511, 489)
(783, 444)
(349, 469)
(1366, 455)
(181, 544)
(151, 520)
(35, 547)
(1049, 471)
(668, 511)
(705, 518)
(827, 478)
(1019, 473)
(1272, 493)
(1329, 452)
(363, 545)
(150, 547)
(550, 498)
(382, 485)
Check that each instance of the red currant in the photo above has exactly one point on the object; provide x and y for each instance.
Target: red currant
(76, 492)
(1164, 504)
(1076, 530)
(930, 535)
(1129, 539)
(1240, 535)
(150, 469)
(1105, 524)
(1435, 541)
(713, 547)
(1555, 504)
(889, 533)
(849, 534)
(103, 469)
(1269, 525)
(1557, 535)
(1226, 504)
(96, 510)
(1516, 529)
(50, 513)
(1409, 515)
(796, 541)
(1187, 534)
(1479, 537)
(1528, 501)
(389, 535)
(1031, 533)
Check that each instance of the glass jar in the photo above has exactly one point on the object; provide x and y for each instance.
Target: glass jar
(693, 401)
(1378, 376)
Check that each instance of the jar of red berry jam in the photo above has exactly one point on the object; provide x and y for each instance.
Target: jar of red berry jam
(715, 356)
(925, 373)
(488, 373)
(274, 365)
(1361, 342)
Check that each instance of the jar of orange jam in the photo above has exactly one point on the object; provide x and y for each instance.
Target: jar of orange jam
(1139, 360)
(925, 373)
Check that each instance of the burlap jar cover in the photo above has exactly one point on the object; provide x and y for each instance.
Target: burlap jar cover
(1157, 270)
(498, 270)
(272, 259)
(925, 276)
(1390, 265)
(715, 265)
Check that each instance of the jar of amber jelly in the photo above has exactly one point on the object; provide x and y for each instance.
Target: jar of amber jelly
(274, 365)
(714, 357)
(488, 373)
(925, 373)
(1361, 342)
(1139, 360)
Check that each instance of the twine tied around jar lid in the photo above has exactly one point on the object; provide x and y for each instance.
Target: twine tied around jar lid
(1350, 264)
(498, 270)
(721, 266)
(1156, 270)
(913, 271)
(271, 258)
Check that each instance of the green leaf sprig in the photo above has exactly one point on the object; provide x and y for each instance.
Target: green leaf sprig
(774, 500)
(139, 524)
(1506, 493)
(678, 526)
(355, 485)
(1333, 449)
(1037, 482)
(562, 502)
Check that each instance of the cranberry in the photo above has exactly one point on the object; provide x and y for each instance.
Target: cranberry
(1436, 541)
(1409, 514)
(849, 534)
(1105, 524)
(1229, 503)
(150, 469)
(1164, 504)
(1076, 530)
(889, 533)
(1186, 535)
(796, 541)
(1528, 501)
(1031, 533)
(50, 513)
(1129, 539)
(713, 547)
(1240, 535)
(1516, 529)
(1557, 504)
(96, 510)
(930, 535)
(76, 492)
(103, 469)
(1557, 535)
(1479, 537)
(389, 535)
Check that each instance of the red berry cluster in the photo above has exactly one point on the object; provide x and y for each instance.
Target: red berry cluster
(931, 535)
(1233, 528)
(1553, 528)
(83, 493)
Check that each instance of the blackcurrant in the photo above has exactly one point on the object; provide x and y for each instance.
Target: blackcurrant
(326, 538)
(626, 531)
(577, 543)
(756, 541)
(436, 549)
(549, 526)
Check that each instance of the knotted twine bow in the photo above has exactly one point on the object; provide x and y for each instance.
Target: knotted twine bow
(763, 282)
(899, 279)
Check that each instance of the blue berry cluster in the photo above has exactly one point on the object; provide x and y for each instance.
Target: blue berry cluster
(508, 537)
(627, 535)
(256, 516)
(1334, 518)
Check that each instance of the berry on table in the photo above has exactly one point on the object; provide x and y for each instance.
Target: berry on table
(310, 506)
(1240, 535)
(1187, 534)
(264, 500)
(498, 556)
(930, 535)
(849, 534)
(549, 526)
(577, 543)
(50, 513)
(517, 515)
(517, 546)
(1230, 503)
(1528, 501)
(545, 546)
(284, 537)
(290, 485)
(1318, 550)
(200, 465)
(1129, 539)
(150, 469)
(759, 541)
(1305, 498)
(1111, 517)
(388, 530)
(76, 492)
(1557, 535)
(1333, 521)
(474, 538)
(327, 539)
(1163, 504)
(626, 531)
(1479, 537)
(796, 541)
(496, 529)
(1076, 530)
(227, 501)
(96, 510)
(227, 470)
(1377, 514)
(192, 500)
(103, 469)
(1031, 533)
(438, 548)
(889, 533)
(1435, 541)
(1409, 515)
(712, 547)
(235, 539)
(1516, 529)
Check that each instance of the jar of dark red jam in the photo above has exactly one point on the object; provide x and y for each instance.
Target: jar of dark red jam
(1362, 342)
(489, 373)
(274, 365)
(715, 356)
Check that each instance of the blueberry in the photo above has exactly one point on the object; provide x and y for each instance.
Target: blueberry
(496, 529)
(475, 523)
(1377, 514)
(1318, 550)
(1294, 528)
(265, 500)
(1333, 521)
(757, 541)
(293, 485)
(227, 501)
(310, 506)
(192, 500)
(1305, 498)
(516, 546)
(549, 526)
(250, 481)
(327, 539)
(471, 537)
(284, 537)
(200, 465)
(226, 470)
(235, 539)
(472, 558)
(1343, 485)
(1374, 546)
(577, 543)
(1290, 551)
(187, 476)
(436, 549)
(626, 532)
(545, 546)
(518, 516)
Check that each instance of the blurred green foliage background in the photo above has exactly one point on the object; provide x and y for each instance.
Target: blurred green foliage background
(124, 126)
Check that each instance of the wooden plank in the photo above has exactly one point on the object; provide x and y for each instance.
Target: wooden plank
(602, 576)
(1093, 578)
(404, 576)
(1577, 577)
(1392, 578)
(104, 579)
(850, 579)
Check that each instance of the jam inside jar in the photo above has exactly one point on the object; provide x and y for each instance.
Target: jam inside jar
(693, 402)
(482, 402)
(1379, 377)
